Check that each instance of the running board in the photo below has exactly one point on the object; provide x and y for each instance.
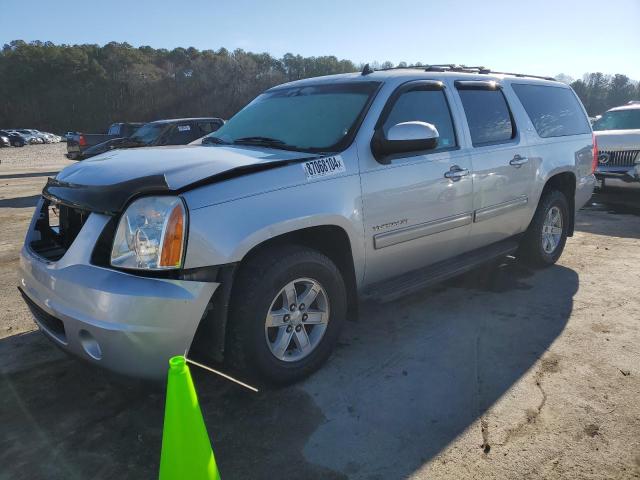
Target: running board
(416, 280)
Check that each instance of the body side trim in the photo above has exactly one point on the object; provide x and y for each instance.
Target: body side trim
(499, 209)
(421, 230)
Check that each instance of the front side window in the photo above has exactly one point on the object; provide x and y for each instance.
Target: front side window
(554, 111)
(181, 134)
(488, 116)
(307, 118)
(619, 120)
(428, 106)
(149, 133)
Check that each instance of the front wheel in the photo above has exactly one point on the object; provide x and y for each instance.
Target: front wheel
(546, 236)
(288, 306)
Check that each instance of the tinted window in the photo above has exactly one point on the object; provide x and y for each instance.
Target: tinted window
(207, 127)
(619, 120)
(488, 116)
(425, 106)
(181, 135)
(554, 111)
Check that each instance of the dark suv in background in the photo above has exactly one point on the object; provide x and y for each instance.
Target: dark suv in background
(178, 131)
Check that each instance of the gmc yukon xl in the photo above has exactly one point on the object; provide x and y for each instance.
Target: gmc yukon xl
(253, 246)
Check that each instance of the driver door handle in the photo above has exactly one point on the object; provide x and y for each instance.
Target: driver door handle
(455, 173)
(518, 161)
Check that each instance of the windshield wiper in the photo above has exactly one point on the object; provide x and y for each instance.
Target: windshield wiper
(213, 140)
(269, 142)
(259, 141)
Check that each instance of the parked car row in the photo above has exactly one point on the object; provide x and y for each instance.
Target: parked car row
(19, 137)
(177, 131)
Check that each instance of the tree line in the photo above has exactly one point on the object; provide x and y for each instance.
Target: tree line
(86, 87)
(600, 92)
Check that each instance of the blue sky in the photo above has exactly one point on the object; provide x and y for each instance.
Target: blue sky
(539, 37)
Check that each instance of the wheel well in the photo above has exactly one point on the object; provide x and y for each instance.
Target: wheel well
(211, 336)
(564, 182)
(329, 240)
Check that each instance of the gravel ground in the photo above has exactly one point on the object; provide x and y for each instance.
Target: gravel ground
(502, 373)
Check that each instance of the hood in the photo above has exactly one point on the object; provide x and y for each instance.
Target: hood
(618, 139)
(107, 183)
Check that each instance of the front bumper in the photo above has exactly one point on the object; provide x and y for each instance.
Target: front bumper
(126, 323)
(629, 174)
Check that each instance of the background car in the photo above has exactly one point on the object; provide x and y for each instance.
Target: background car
(15, 139)
(4, 141)
(78, 142)
(178, 131)
(29, 135)
(618, 135)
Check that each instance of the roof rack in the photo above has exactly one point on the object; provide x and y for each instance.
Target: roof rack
(452, 67)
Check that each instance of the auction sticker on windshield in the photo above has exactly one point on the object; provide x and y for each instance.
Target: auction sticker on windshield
(323, 167)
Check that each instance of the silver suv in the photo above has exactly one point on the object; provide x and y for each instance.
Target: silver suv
(618, 137)
(255, 246)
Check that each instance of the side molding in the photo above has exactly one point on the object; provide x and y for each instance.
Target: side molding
(406, 234)
(495, 210)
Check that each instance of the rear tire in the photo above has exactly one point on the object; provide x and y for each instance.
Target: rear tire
(263, 288)
(546, 236)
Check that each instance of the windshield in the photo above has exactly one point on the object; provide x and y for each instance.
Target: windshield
(619, 120)
(312, 118)
(149, 133)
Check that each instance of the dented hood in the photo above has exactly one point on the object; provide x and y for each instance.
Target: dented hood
(108, 182)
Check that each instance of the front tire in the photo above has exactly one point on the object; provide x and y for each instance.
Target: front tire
(288, 306)
(546, 236)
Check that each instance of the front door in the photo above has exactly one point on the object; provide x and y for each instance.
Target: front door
(417, 207)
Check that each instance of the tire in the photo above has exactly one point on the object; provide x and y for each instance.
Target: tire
(534, 249)
(258, 290)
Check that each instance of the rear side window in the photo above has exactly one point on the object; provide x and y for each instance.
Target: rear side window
(488, 116)
(428, 106)
(554, 111)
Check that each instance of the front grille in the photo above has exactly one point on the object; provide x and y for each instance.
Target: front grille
(58, 226)
(50, 323)
(617, 158)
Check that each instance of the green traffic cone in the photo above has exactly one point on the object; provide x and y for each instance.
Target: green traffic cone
(186, 448)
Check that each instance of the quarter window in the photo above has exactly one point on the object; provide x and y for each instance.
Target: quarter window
(488, 116)
(554, 111)
(428, 106)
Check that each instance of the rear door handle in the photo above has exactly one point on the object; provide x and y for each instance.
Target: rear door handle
(518, 161)
(455, 173)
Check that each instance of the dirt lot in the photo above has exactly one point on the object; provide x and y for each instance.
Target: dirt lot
(503, 373)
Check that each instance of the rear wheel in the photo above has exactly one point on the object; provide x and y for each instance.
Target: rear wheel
(546, 236)
(288, 306)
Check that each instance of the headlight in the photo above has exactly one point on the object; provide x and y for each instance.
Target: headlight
(151, 235)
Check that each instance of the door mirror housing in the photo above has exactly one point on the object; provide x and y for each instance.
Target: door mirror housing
(405, 137)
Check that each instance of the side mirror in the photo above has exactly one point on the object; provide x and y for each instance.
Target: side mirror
(405, 137)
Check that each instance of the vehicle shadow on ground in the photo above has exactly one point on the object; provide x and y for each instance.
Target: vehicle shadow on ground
(619, 203)
(19, 202)
(406, 380)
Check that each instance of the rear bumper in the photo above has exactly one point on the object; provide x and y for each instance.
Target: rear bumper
(126, 323)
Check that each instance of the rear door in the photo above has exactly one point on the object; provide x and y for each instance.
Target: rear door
(503, 176)
(413, 214)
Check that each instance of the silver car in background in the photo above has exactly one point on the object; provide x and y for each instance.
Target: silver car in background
(618, 135)
(254, 247)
